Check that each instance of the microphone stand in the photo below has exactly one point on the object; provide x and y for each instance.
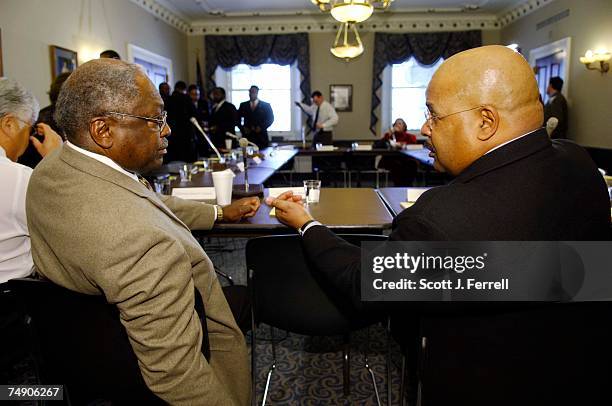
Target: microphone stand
(243, 144)
(197, 125)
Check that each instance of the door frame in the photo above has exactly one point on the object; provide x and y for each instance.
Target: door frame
(562, 45)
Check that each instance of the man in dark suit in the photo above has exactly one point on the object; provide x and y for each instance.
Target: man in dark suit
(257, 116)
(556, 107)
(512, 183)
(181, 144)
(223, 118)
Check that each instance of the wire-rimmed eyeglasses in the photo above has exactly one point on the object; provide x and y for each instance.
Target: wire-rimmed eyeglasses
(432, 118)
(160, 120)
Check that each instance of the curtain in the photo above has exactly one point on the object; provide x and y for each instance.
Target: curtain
(426, 48)
(227, 51)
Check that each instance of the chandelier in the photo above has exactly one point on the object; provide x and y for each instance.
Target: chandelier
(348, 44)
(351, 11)
(343, 47)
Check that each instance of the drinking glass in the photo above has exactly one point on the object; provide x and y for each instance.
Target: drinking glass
(312, 190)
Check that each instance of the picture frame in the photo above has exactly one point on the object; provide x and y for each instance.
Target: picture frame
(341, 97)
(62, 60)
(1, 67)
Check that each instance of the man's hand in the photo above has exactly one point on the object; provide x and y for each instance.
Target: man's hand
(290, 210)
(240, 209)
(51, 140)
(319, 125)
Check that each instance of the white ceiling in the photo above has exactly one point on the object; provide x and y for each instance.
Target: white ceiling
(194, 10)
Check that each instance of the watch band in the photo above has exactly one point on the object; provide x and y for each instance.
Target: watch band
(306, 226)
(219, 212)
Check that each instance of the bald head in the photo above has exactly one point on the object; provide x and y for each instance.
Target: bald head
(483, 97)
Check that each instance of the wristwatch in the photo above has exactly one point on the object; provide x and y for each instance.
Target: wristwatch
(219, 212)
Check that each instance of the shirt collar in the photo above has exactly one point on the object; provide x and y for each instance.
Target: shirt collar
(2, 153)
(103, 159)
(508, 142)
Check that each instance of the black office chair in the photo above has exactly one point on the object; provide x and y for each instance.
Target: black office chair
(287, 295)
(80, 343)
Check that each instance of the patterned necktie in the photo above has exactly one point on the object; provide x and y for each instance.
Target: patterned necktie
(145, 182)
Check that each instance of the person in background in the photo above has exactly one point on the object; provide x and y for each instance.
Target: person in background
(109, 53)
(223, 118)
(323, 116)
(202, 114)
(182, 143)
(257, 116)
(164, 91)
(402, 169)
(556, 107)
(18, 113)
(31, 157)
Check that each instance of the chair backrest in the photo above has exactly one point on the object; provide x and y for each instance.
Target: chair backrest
(288, 293)
(81, 343)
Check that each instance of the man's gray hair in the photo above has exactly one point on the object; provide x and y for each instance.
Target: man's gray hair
(17, 100)
(94, 89)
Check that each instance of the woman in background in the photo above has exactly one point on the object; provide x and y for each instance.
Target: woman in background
(402, 168)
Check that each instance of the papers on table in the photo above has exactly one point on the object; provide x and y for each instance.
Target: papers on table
(413, 146)
(277, 191)
(363, 148)
(195, 193)
(326, 148)
(287, 147)
(413, 195)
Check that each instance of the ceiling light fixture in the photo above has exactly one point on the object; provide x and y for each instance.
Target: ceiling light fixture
(351, 11)
(345, 47)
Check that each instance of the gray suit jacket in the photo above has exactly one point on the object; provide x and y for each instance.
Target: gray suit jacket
(95, 230)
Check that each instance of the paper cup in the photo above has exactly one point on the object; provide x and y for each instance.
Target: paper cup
(223, 182)
(228, 143)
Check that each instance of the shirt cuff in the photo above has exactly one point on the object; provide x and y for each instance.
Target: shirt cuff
(216, 214)
(309, 226)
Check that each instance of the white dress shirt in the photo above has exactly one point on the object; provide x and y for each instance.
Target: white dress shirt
(15, 256)
(327, 114)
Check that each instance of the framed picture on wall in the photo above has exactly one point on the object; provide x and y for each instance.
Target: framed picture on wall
(1, 69)
(62, 60)
(341, 97)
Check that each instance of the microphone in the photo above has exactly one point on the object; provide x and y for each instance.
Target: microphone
(197, 125)
(243, 144)
(234, 136)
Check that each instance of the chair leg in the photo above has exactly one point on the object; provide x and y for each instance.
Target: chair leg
(346, 355)
(403, 382)
(389, 384)
(272, 367)
(367, 366)
(253, 361)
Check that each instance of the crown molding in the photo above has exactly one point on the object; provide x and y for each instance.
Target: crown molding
(314, 21)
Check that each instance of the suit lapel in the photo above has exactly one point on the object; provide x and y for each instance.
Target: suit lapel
(99, 170)
(512, 152)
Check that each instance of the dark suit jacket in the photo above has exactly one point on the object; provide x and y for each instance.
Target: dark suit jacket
(223, 120)
(261, 117)
(181, 142)
(530, 189)
(557, 108)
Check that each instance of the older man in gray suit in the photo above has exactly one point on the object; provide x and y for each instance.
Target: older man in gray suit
(96, 228)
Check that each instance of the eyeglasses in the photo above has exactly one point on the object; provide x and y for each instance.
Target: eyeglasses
(160, 121)
(431, 118)
(33, 130)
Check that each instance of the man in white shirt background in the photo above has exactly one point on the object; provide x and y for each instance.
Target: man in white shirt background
(18, 114)
(324, 118)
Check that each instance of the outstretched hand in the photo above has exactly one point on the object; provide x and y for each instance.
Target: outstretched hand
(239, 209)
(289, 209)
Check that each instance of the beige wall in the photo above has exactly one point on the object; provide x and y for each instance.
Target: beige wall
(589, 93)
(88, 27)
(325, 70)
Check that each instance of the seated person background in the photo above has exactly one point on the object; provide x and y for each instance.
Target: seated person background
(31, 157)
(98, 229)
(402, 168)
(512, 183)
(18, 113)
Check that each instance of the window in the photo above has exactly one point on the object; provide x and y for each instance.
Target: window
(278, 85)
(157, 67)
(403, 93)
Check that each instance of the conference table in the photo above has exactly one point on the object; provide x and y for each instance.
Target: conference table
(273, 160)
(344, 210)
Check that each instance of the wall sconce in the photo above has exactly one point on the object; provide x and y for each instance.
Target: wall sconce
(591, 58)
